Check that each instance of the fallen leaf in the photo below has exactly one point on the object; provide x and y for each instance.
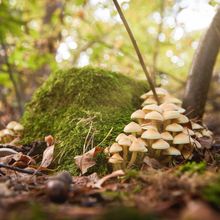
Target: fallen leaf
(47, 156)
(86, 160)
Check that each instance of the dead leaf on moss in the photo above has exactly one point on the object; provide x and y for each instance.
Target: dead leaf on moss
(86, 160)
(47, 156)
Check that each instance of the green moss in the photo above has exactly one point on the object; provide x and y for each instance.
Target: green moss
(81, 107)
(211, 192)
(193, 167)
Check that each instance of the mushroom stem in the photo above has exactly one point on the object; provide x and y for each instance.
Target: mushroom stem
(157, 153)
(116, 166)
(133, 158)
(125, 156)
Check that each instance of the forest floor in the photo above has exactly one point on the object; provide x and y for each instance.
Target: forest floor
(188, 191)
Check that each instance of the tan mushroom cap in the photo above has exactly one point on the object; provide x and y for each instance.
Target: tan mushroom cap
(148, 126)
(169, 107)
(168, 115)
(207, 133)
(152, 107)
(126, 141)
(154, 116)
(18, 128)
(172, 151)
(174, 127)
(144, 96)
(138, 114)
(149, 101)
(11, 125)
(181, 139)
(115, 159)
(188, 131)
(166, 136)
(198, 134)
(121, 135)
(196, 126)
(170, 99)
(160, 145)
(132, 137)
(151, 134)
(182, 119)
(141, 141)
(115, 148)
(159, 91)
(8, 132)
(137, 146)
(132, 127)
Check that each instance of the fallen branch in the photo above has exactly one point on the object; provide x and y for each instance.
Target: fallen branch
(31, 172)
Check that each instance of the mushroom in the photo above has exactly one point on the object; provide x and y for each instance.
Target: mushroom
(160, 145)
(138, 115)
(136, 147)
(149, 101)
(188, 131)
(160, 92)
(181, 139)
(166, 136)
(125, 143)
(133, 128)
(172, 151)
(6, 135)
(182, 119)
(18, 129)
(155, 118)
(152, 107)
(116, 160)
(120, 136)
(169, 115)
(150, 135)
(174, 128)
(11, 125)
(207, 133)
(148, 125)
(115, 148)
(196, 126)
(170, 99)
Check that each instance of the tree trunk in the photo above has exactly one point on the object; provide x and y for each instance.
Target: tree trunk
(201, 71)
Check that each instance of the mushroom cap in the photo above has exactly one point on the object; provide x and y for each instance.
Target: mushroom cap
(148, 126)
(11, 125)
(154, 116)
(115, 158)
(151, 134)
(188, 131)
(172, 151)
(169, 107)
(7, 132)
(167, 115)
(115, 148)
(198, 134)
(166, 136)
(182, 119)
(18, 127)
(126, 141)
(160, 145)
(149, 101)
(138, 114)
(170, 99)
(132, 137)
(159, 91)
(137, 146)
(152, 107)
(122, 135)
(141, 141)
(182, 139)
(144, 96)
(196, 126)
(174, 127)
(132, 127)
(207, 133)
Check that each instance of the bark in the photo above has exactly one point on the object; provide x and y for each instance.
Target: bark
(201, 71)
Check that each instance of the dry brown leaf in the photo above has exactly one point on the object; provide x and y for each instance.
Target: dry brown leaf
(86, 160)
(47, 156)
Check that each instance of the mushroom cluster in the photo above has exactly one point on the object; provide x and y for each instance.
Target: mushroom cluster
(161, 131)
(12, 130)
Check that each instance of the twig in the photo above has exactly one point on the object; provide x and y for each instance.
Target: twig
(31, 172)
(141, 60)
(157, 42)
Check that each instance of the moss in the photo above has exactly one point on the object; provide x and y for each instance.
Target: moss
(211, 192)
(193, 167)
(81, 107)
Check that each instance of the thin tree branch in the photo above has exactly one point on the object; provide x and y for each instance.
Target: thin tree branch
(145, 69)
(157, 41)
